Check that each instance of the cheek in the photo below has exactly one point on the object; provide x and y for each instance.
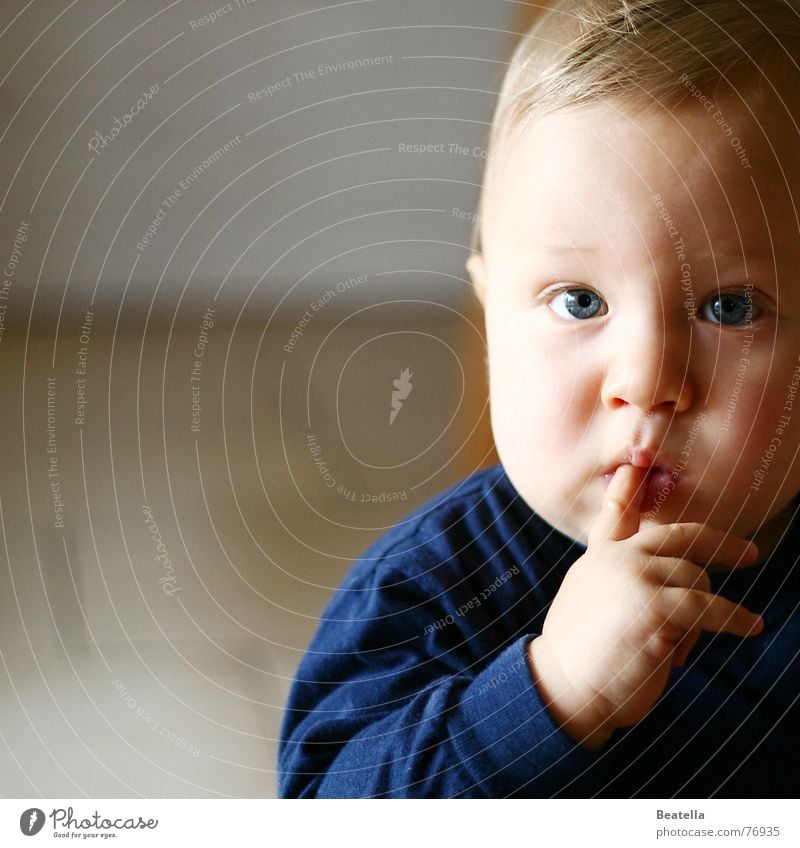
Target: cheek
(541, 385)
(762, 390)
(540, 411)
(755, 415)
(554, 365)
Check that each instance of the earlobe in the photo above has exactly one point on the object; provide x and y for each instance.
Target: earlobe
(476, 268)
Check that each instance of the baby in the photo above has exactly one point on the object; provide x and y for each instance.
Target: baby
(613, 610)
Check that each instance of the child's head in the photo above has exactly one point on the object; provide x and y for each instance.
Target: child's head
(638, 258)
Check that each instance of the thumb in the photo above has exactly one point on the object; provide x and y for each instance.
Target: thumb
(620, 513)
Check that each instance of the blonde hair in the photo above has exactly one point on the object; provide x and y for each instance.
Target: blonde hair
(642, 53)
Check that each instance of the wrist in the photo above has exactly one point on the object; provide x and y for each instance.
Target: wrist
(578, 717)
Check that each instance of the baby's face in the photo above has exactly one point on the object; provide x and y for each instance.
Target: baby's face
(642, 295)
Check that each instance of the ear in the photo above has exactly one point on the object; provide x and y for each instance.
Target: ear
(476, 268)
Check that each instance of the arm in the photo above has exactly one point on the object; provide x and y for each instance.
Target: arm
(380, 707)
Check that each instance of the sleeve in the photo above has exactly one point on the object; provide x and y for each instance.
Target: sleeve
(394, 700)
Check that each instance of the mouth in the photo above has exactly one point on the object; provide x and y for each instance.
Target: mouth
(661, 480)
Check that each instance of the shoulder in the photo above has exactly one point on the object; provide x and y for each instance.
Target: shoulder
(445, 522)
(444, 515)
(479, 521)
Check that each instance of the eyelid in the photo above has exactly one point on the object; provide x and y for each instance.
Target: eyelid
(557, 288)
(745, 290)
(758, 298)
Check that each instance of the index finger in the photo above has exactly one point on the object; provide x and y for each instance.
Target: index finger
(620, 513)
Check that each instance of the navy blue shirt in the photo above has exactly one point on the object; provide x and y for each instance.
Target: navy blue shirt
(416, 683)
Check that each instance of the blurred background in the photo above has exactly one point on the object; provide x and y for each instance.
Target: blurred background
(237, 344)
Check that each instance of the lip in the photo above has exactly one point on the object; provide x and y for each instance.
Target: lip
(641, 458)
(661, 480)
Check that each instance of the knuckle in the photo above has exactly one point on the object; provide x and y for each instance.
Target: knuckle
(698, 577)
(670, 630)
(652, 541)
(683, 534)
(659, 646)
(636, 564)
(703, 581)
(699, 602)
(669, 537)
(641, 596)
(613, 505)
(677, 571)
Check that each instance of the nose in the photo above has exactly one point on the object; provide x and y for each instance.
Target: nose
(648, 368)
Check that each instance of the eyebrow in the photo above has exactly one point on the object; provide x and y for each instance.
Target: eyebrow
(720, 252)
(748, 253)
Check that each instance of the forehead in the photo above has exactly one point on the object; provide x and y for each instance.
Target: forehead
(724, 179)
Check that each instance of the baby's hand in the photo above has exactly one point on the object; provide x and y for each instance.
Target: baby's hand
(628, 610)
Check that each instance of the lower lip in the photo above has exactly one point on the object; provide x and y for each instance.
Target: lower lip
(660, 486)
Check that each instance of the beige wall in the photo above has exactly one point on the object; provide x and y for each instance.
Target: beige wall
(256, 538)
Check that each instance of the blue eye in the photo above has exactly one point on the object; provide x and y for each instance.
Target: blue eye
(577, 303)
(729, 309)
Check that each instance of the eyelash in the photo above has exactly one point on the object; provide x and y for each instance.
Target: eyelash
(550, 294)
